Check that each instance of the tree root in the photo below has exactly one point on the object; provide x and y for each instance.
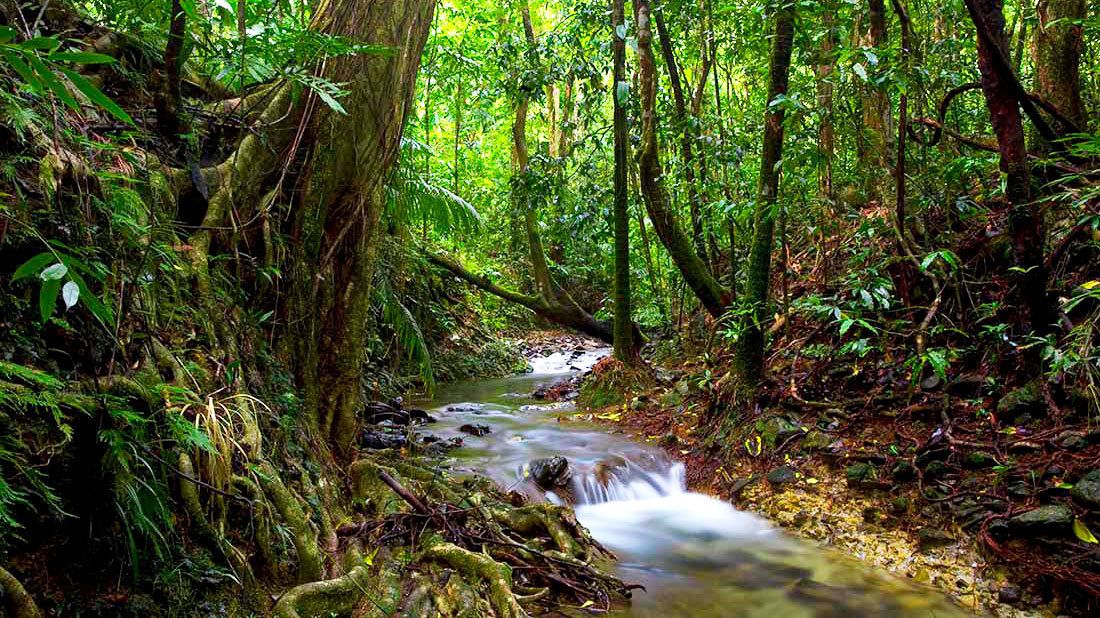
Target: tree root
(324, 598)
(14, 599)
(479, 567)
(310, 563)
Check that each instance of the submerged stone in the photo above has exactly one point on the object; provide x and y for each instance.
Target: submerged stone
(475, 429)
(550, 472)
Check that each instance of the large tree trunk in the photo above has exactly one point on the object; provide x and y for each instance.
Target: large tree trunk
(340, 200)
(1057, 46)
(624, 341)
(1024, 220)
(679, 246)
(750, 347)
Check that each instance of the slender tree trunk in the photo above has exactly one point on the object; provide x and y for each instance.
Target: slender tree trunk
(1024, 219)
(1057, 45)
(750, 349)
(460, 101)
(624, 343)
(687, 136)
(167, 104)
(679, 246)
(878, 128)
(823, 72)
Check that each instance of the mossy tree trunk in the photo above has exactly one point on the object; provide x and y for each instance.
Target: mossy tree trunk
(1057, 45)
(878, 130)
(687, 133)
(341, 200)
(823, 76)
(694, 271)
(624, 340)
(750, 348)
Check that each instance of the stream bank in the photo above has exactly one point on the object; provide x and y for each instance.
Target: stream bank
(886, 486)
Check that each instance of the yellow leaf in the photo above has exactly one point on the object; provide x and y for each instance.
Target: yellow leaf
(1088, 285)
(1083, 532)
(587, 603)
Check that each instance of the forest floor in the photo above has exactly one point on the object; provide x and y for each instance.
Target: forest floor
(884, 485)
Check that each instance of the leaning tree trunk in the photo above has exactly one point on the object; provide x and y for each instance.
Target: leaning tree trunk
(687, 134)
(1025, 222)
(750, 348)
(549, 301)
(679, 246)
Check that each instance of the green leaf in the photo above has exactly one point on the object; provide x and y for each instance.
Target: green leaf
(95, 95)
(329, 100)
(32, 266)
(622, 93)
(7, 33)
(102, 312)
(54, 273)
(1082, 531)
(82, 57)
(47, 43)
(50, 80)
(47, 298)
(15, 59)
(70, 292)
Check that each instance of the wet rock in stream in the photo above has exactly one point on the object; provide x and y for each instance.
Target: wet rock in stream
(549, 472)
(475, 429)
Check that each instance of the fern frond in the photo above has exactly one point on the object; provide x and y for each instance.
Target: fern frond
(409, 336)
(414, 198)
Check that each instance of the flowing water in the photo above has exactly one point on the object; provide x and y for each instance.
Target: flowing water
(697, 556)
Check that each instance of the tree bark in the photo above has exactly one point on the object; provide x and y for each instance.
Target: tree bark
(1057, 46)
(624, 342)
(340, 203)
(654, 194)
(877, 115)
(750, 348)
(167, 100)
(1024, 220)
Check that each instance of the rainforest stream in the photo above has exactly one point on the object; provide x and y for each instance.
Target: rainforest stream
(697, 556)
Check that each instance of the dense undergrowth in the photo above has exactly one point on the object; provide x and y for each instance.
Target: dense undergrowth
(158, 455)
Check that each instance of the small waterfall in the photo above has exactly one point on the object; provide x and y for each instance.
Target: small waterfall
(629, 481)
